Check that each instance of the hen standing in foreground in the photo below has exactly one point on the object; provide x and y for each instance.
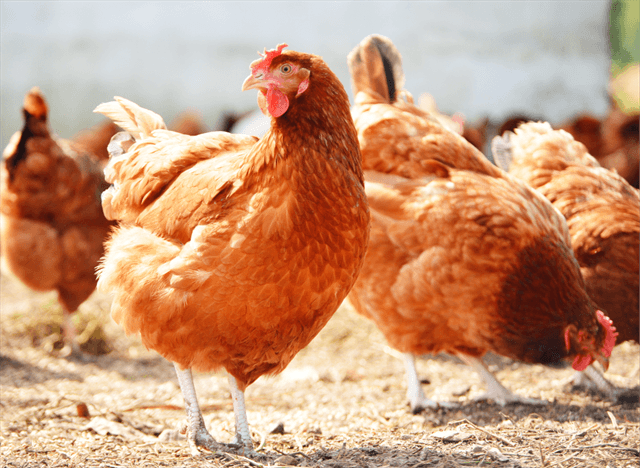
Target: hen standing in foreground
(462, 258)
(53, 227)
(234, 251)
(602, 211)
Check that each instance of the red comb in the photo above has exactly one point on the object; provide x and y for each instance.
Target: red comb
(268, 55)
(611, 333)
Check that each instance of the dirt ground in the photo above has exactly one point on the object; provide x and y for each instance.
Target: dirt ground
(341, 403)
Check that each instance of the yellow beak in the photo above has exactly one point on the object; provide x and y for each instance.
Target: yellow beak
(252, 83)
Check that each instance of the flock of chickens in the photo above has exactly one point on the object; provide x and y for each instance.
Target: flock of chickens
(232, 251)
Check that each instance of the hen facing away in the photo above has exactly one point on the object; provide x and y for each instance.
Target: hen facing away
(234, 251)
(463, 258)
(53, 227)
(602, 211)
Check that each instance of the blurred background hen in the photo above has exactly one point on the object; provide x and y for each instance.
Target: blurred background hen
(53, 228)
(52, 225)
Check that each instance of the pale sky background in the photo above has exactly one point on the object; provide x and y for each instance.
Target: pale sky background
(493, 58)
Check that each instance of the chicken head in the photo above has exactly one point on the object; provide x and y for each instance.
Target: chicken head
(278, 82)
(587, 343)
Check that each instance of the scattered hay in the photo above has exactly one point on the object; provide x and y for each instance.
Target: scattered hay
(341, 403)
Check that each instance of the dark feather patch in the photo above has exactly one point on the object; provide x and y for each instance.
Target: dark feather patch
(21, 149)
(388, 73)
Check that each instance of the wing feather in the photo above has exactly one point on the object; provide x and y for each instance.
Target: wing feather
(143, 170)
(129, 116)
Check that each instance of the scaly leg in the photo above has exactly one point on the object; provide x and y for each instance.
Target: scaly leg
(496, 391)
(71, 349)
(243, 435)
(417, 399)
(591, 377)
(198, 436)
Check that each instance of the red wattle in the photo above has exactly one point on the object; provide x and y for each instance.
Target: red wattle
(580, 363)
(277, 102)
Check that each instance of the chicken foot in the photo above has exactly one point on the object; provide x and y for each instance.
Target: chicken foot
(71, 349)
(417, 399)
(496, 391)
(591, 378)
(197, 433)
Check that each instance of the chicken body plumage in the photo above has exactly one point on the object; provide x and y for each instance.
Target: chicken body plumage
(602, 212)
(601, 208)
(53, 227)
(234, 252)
(258, 265)
(463, 271)
(463, 258)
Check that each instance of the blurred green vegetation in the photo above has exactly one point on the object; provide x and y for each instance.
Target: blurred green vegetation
(623, 33)
(624, 37)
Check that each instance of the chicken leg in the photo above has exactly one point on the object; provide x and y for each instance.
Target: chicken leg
(496, 391)
(71, 349)
(591, 378)
(243, 435)
(198, 436)
(417, 399)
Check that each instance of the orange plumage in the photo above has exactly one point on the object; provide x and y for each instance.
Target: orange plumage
(463, 258)
(234, 251)
(53, 227)
(602, 212)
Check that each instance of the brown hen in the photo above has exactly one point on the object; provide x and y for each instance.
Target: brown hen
(602, 211)
(234, 251)
(53, 227)
(463, 258)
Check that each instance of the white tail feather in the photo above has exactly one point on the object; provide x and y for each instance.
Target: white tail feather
(131, 117)
(502, 151)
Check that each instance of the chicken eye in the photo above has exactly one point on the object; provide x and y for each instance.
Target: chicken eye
(286, 68)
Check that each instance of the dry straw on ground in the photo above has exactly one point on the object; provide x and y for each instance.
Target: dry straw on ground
(341, 403)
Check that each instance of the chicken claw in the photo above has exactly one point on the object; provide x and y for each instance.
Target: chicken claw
(71, 349)
(197, 434)
(592, 379)
(417, 399)
(496, 391)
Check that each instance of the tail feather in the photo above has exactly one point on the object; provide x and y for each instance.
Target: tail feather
(131, 117)
(376, 67)
(35, 105)
(502, 151)
(35, 124)
(138, 123)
